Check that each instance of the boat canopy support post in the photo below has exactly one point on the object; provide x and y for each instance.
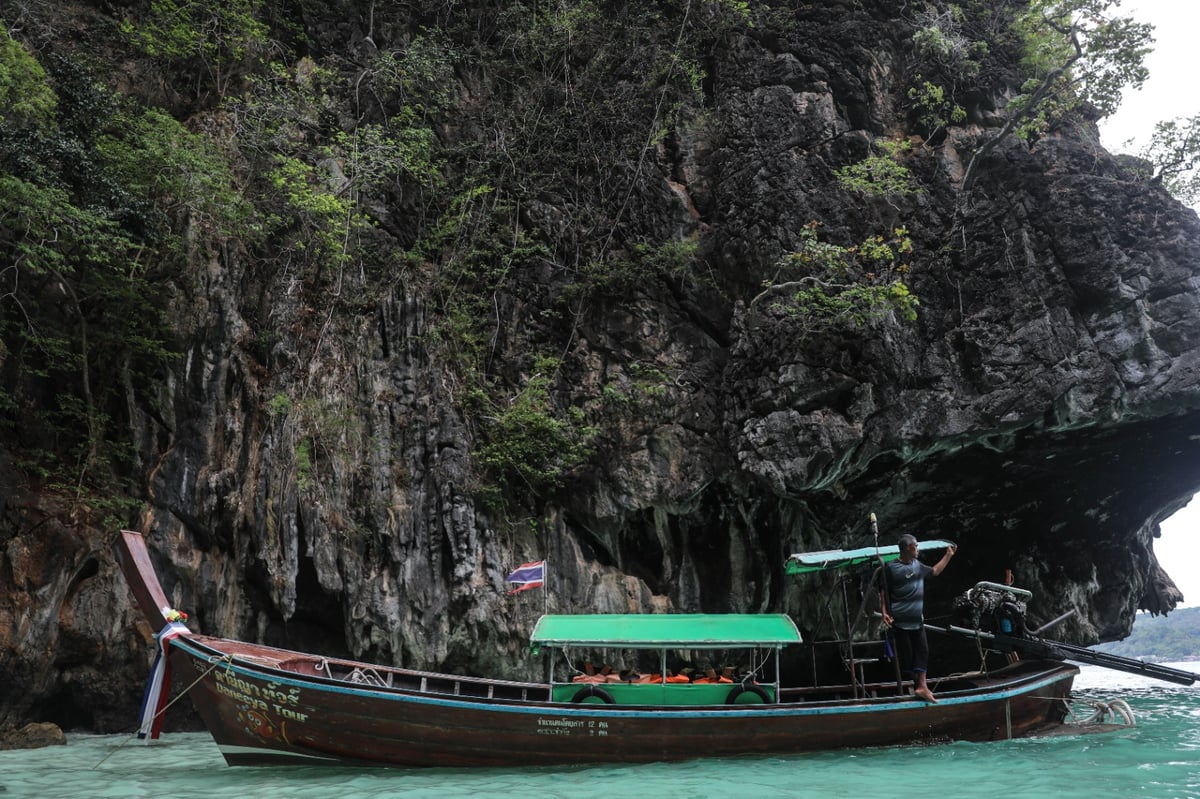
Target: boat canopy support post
(812, 650)
(884, 590)
(778, 679)
(850, 662)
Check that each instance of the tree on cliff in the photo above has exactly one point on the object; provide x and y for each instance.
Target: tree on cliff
(1174, 157)
(91, 217)
(25, 98)
(1073, 54)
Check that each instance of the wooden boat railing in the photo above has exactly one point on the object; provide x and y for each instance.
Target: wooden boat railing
(398, 679)
(432, 683)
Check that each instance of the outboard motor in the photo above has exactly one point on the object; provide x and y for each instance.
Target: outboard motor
(993, 608)
(1010, 616)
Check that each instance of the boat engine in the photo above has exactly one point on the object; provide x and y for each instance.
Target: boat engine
(992, 608)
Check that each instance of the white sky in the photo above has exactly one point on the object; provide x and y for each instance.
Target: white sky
(1168, 94)
(1179, 552)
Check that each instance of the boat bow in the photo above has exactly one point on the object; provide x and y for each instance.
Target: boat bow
(134, 559)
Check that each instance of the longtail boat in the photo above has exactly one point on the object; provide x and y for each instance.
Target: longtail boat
(265, 705)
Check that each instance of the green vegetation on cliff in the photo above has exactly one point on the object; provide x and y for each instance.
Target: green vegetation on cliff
(512, 169)
(100, 193)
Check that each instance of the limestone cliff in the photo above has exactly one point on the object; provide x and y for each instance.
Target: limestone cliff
(311, 470)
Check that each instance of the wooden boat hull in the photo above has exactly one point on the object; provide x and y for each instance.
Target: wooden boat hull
(265, 705)
(260, 715)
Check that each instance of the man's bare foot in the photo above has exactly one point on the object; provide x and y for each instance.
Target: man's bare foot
(926, 694)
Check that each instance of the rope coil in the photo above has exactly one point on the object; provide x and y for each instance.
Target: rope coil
(1114, 711)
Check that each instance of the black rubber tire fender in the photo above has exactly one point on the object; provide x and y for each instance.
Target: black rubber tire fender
(589, 691)
(745, 687)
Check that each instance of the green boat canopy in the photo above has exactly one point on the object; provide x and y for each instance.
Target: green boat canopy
(807, 562)
(667, 630)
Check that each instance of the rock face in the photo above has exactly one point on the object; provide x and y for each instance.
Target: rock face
(1043, 410)
(1047, 436)
(33, 736)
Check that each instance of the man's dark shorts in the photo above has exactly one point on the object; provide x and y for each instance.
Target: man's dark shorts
(913, 649)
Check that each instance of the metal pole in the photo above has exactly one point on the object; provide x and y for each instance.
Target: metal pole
(1053, 622)
(778, 678)
(812, 649)
(849, 641)
(883, 576)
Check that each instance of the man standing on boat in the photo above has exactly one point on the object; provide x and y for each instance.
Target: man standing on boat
(903, 604)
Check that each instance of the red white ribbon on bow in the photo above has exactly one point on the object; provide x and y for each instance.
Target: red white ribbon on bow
(158, 687)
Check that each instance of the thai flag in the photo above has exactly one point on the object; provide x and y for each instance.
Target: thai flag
(528, 575)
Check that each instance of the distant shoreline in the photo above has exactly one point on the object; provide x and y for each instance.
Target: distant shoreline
(1170, 638)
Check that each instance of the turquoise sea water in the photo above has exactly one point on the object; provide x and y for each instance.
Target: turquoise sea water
(1159, 758)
